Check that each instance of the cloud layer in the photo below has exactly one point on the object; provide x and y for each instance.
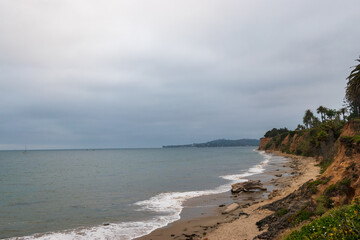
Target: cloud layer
(150, 73)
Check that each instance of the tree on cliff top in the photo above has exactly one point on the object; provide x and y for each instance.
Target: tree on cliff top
(352, 95)
(343, 111)
(274, 132)
(331, 113)
(322, 110)
(310, 120)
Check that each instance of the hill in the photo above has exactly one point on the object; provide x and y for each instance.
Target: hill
(220, 143)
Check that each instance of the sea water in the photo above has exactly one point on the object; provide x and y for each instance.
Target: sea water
(111, 194)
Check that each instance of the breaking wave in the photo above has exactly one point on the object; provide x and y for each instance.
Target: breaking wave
(168, 206)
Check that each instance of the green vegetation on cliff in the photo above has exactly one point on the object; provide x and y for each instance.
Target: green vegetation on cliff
(274, 132)
(339, 223)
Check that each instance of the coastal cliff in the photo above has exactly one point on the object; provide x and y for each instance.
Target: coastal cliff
(325, 206)
(337, 151)
(346, 163)
(263, 142)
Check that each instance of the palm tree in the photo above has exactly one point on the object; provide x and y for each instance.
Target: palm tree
(353, 90)
(322, 110)
(337, 116)
(343, 111)
(331, 113)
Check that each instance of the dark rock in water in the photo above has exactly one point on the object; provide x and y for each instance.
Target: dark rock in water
(106, 224)
(278, 175)
(247, 186)
(222, 205)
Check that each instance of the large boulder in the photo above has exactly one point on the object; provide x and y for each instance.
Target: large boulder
(247, 186)
(230, 208)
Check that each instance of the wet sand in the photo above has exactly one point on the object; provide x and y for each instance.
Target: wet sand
(203, 218)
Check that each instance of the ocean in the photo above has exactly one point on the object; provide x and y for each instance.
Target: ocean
(112, 194)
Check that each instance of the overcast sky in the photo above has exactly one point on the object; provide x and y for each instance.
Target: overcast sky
(130, 73)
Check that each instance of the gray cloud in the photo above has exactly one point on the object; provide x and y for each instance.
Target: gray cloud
(145, 74)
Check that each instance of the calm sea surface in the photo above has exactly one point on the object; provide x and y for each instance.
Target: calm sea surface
(111, 194)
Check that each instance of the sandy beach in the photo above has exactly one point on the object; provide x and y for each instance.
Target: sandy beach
(282, 179)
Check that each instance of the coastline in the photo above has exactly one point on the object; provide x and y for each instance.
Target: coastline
(240, 223)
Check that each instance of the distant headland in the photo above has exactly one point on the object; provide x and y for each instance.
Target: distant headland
(220, 143)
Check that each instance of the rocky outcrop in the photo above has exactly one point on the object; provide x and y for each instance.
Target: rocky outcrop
(247, 186)
(346, 165)
(284, 211)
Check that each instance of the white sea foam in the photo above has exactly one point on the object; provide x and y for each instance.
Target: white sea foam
(168, 205)
(259, 168)
(121, 231)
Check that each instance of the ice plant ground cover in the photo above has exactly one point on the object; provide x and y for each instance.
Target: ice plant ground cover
(338, 223)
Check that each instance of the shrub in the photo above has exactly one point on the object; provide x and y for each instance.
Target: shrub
(347, 140)
(303, 215)
(278, 139)
(286, 148)
(300, 132)
(313, 132)
(274, 132)
(333, 126)
(322, 181)
(352, 166)
(341, 187)
(268, 145)
(313, 185)
(322, 203)
(303, 147)
(324, 164)
(292, 133)
(356, 139)
(339, 223)
(322, 136)
(282, 212)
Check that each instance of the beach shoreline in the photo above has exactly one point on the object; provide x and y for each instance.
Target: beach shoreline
(285, 177)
